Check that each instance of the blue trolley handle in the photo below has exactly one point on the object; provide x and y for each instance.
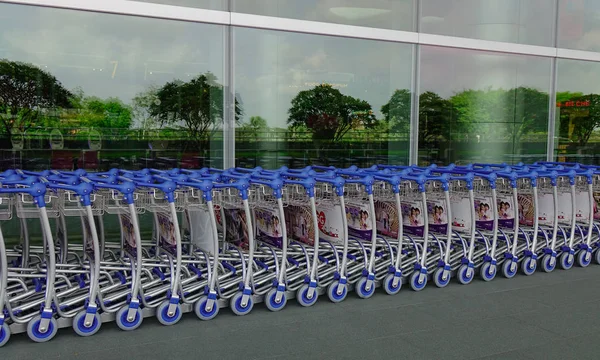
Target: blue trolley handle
(37, 191)
(19, 180)
(393, 180)
(167, 187)
(337, 182)
(126, 188)
(573, 165)
(366, 180)
(34, 173)
(421, 180)
(83, 189)
(205, 186)
(241, 184)
(275, 184)
(308, 184)
(571, 174)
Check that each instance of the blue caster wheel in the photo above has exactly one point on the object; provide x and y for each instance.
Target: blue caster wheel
(4, 334)
(465, 274)
(271, 300)
(302, 296)
(415, 284)
(566, 261)
(35, 333)
(124, 323)
(548, 263)
(163, 316)
(487, 271)
(83, 329)
(438, 278)
(528, 266)
(388, 285)
(361, 288)
(238, 308)
(584, 258)
(509, 269)
(202, 312)
(334, 295)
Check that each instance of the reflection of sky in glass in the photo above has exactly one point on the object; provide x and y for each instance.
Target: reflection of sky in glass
(202, 4)
(272, 67)
(518, 21)
(387, 14)
(579, 24)
(109, 55)
(578, 76)
(447, 71)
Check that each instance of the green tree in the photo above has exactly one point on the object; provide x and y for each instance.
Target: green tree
(28, 95)
(110, 113)
(329, 114)
(436, 118)
(397, 111)
(527, 112)
(254, 128)
(196, 106)
(580, 118)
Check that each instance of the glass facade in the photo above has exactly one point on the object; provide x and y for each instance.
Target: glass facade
(96, 91)
(82, 89)
(482, 107)
(577, 111)
(386, 14)
(318, 99)
(516, 21)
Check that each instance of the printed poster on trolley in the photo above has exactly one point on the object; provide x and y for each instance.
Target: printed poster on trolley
(128, 235)
(236, 226)
(359, 220)
(461, 213)
(386, 214)
(166, 233)
(299, 223)
(506, 211)
(437, 215)
(268, 226)
(330, 223)
(412, 215)
(484, 213)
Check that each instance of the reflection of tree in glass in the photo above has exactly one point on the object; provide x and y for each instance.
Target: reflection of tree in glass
(579, 117)
(196, 105)
(397, 111)
(329, 114)
(255, 128)
(27, 93)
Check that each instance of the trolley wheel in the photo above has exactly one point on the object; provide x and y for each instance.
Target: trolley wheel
(236, 304)
(438, 278)
(163, 316)
(597, 256)
(584, 258)
(507, 269)
(414, 281)
(4, 334)
(200, 309)
(81, 328)
(361, 288)
(528, 266)
(465, 275)
(271, 300)
(33, 329)
(388, 284)
(487, 271)
(566, 261)
(302, 296)
(124, 324)
(548, 263)
(333, 294)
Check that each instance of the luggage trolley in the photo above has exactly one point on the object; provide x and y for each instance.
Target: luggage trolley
(122, 199)
(26, 290)
(415, 190)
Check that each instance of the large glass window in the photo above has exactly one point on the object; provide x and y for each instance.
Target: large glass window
(484, 107)
(86, 90)
(202, 4)
(311, 99)
(387, 14)
(517, 21)
(579, 24)
(578, 111)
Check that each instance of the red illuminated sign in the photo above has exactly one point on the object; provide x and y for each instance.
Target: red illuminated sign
(578, 103)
